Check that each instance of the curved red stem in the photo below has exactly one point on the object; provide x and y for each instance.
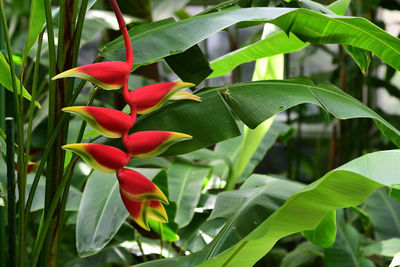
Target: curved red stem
(122, 26)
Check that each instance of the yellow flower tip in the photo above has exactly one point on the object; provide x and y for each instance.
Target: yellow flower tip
(72, 109)
(185, 84)
(65, 74)
(182, 136)
(183, 95)
(73, 147)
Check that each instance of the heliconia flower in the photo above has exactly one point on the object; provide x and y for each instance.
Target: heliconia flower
(107, 75)
(100, 157)
(151, 97)
(136, 187)
(147, 144)
(137, 210)
(108, 122)
(156, 211)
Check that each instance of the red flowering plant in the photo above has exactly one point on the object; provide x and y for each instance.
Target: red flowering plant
(140, 196)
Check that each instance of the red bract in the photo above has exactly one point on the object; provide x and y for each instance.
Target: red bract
(103, 158)
(137, 187)
(141, 197)
(148, 144)
(109, 122)
(107, 75)
(151, 97)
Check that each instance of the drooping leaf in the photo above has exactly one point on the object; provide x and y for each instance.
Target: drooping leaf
(339, 7)
(185, 181)
(255, 102)
(384, 212)
(346, 186)
(362, 57)
(275, 44)
(210, 121)
(5, 79)
(346, 251)
(191, 66)
(309, 26)
(324, 235)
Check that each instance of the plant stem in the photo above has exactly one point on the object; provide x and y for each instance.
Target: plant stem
(11, 192)
(32, 103)
(22, 181)
(46, 220)
(51, 114)
(72, 164)
(3, 215)
(48, 148)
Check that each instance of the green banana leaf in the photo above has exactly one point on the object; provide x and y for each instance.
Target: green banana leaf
(347, 186)
(211, 121)
(159, 42)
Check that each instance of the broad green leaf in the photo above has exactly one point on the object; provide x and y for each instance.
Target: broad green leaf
(191, 66)
(266, 68)
(339, 7)
(347, 186)
(5, 79)
(256, 101)
(243, 211)
(101, 212)
(324, 235)
(362, 57)
(275, 44)
(346, 250)
(387, 248)
(185, 181)
(384, 212)
(112, 255)
(309, 26)
(303, 254)
(315, 6)
(209, 122)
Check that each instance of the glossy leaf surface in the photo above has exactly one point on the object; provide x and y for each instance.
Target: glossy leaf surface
(159, 42)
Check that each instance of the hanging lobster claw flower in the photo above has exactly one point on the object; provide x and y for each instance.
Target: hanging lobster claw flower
(100, 157)
(151, 97)
(148, 144)
(107, 75)
(137, 187)
(137, 210)
(156, 211)
(108, 122)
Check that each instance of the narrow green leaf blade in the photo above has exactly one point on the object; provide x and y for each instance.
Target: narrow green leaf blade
(5, 79)
(384, 212)
(275, 44)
